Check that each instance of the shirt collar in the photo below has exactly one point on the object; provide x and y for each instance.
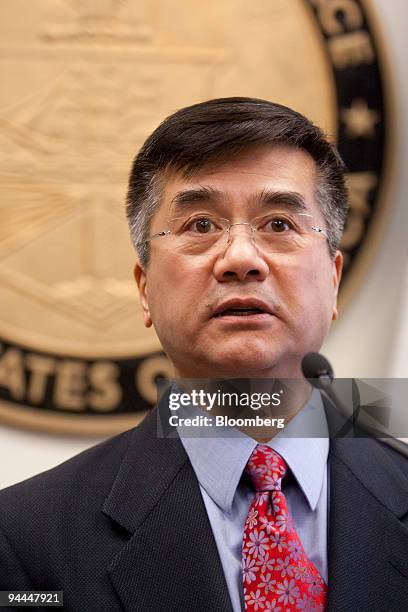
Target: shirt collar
(219, 460)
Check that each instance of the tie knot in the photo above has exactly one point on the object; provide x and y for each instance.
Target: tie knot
(266, 468)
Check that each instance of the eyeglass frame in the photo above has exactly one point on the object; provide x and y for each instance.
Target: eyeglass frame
(162, 233)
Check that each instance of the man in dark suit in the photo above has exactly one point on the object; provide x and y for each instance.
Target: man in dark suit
(236, 209)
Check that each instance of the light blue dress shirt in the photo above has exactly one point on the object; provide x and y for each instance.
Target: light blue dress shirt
(219, 461)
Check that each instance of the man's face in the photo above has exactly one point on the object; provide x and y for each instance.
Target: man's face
(182, 293)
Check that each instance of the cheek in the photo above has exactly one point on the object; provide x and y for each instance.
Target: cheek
(308, 293)
(175, 290)
(320, 299)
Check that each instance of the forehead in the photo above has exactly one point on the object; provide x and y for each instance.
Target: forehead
(240, 179)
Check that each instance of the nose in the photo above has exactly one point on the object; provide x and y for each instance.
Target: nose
(240, 258)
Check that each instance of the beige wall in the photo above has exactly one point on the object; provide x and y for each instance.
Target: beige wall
(368, 339)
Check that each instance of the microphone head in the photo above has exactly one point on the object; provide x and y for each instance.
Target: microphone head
(317, 370)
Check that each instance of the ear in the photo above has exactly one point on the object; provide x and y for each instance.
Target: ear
(336, 278)
(141, 281)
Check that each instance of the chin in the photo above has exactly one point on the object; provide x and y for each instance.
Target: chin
(245, 363)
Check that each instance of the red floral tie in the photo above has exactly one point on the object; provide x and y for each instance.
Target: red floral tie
(276, 571)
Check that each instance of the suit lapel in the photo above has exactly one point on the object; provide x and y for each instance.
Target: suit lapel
(368, 542)
(171, 561)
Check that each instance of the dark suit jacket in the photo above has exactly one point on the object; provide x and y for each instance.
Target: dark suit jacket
(123, 526)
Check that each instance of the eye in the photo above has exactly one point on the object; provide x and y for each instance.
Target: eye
(201, 225)
(277, 225)
(280, 225)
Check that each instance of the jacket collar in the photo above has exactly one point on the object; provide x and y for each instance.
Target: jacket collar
(368, 540)
(170, 561)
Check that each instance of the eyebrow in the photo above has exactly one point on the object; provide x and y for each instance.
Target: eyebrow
(290, 199)
(184, 198)
(266, 198)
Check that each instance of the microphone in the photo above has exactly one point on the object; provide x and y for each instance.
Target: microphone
(318, 369)
(319, 373)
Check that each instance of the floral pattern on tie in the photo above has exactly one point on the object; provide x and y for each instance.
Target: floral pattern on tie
(277, 574)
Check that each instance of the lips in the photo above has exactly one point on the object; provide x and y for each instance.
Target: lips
(241, 307)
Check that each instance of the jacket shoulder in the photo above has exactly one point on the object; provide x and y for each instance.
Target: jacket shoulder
(91, 471)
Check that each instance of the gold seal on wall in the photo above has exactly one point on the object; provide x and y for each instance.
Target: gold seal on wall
(86, 82)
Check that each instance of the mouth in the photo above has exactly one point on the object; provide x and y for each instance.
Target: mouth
(242, 308)
(240, 312)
